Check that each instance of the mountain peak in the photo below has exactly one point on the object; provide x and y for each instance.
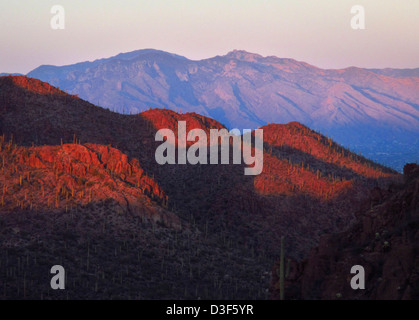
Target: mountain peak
(142, 53)
(243, 55)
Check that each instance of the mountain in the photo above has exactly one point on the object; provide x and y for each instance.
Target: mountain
(81, 188)
(397, 73)
(10, 74)
(371, 111)
(384, 240)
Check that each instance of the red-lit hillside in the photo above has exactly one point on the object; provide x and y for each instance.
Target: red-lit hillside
(168, 119)
(64, 177)
(207, 231)
(296, 136)
(299, 159)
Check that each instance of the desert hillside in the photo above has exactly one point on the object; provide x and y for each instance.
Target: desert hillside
(81, 187)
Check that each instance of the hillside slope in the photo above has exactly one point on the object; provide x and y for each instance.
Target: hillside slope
(90, 177)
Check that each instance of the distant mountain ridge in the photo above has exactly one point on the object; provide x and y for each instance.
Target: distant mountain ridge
(372, 111)
(4, 74)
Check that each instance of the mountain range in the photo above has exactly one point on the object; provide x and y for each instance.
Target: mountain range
(374, 112)
(81, 188)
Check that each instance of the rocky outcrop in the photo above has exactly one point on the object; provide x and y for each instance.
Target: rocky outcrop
(63, 177)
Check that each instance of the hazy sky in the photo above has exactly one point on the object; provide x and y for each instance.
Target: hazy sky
(315, 31)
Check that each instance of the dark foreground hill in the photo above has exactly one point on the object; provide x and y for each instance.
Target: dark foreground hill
(81, 187)
(384, 240)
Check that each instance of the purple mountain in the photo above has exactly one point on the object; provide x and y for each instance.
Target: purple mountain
(372, 111)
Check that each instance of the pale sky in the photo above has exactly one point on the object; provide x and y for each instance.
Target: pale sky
(314, 31)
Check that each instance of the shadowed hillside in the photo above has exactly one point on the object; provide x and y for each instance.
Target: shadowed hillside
(384, 240)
